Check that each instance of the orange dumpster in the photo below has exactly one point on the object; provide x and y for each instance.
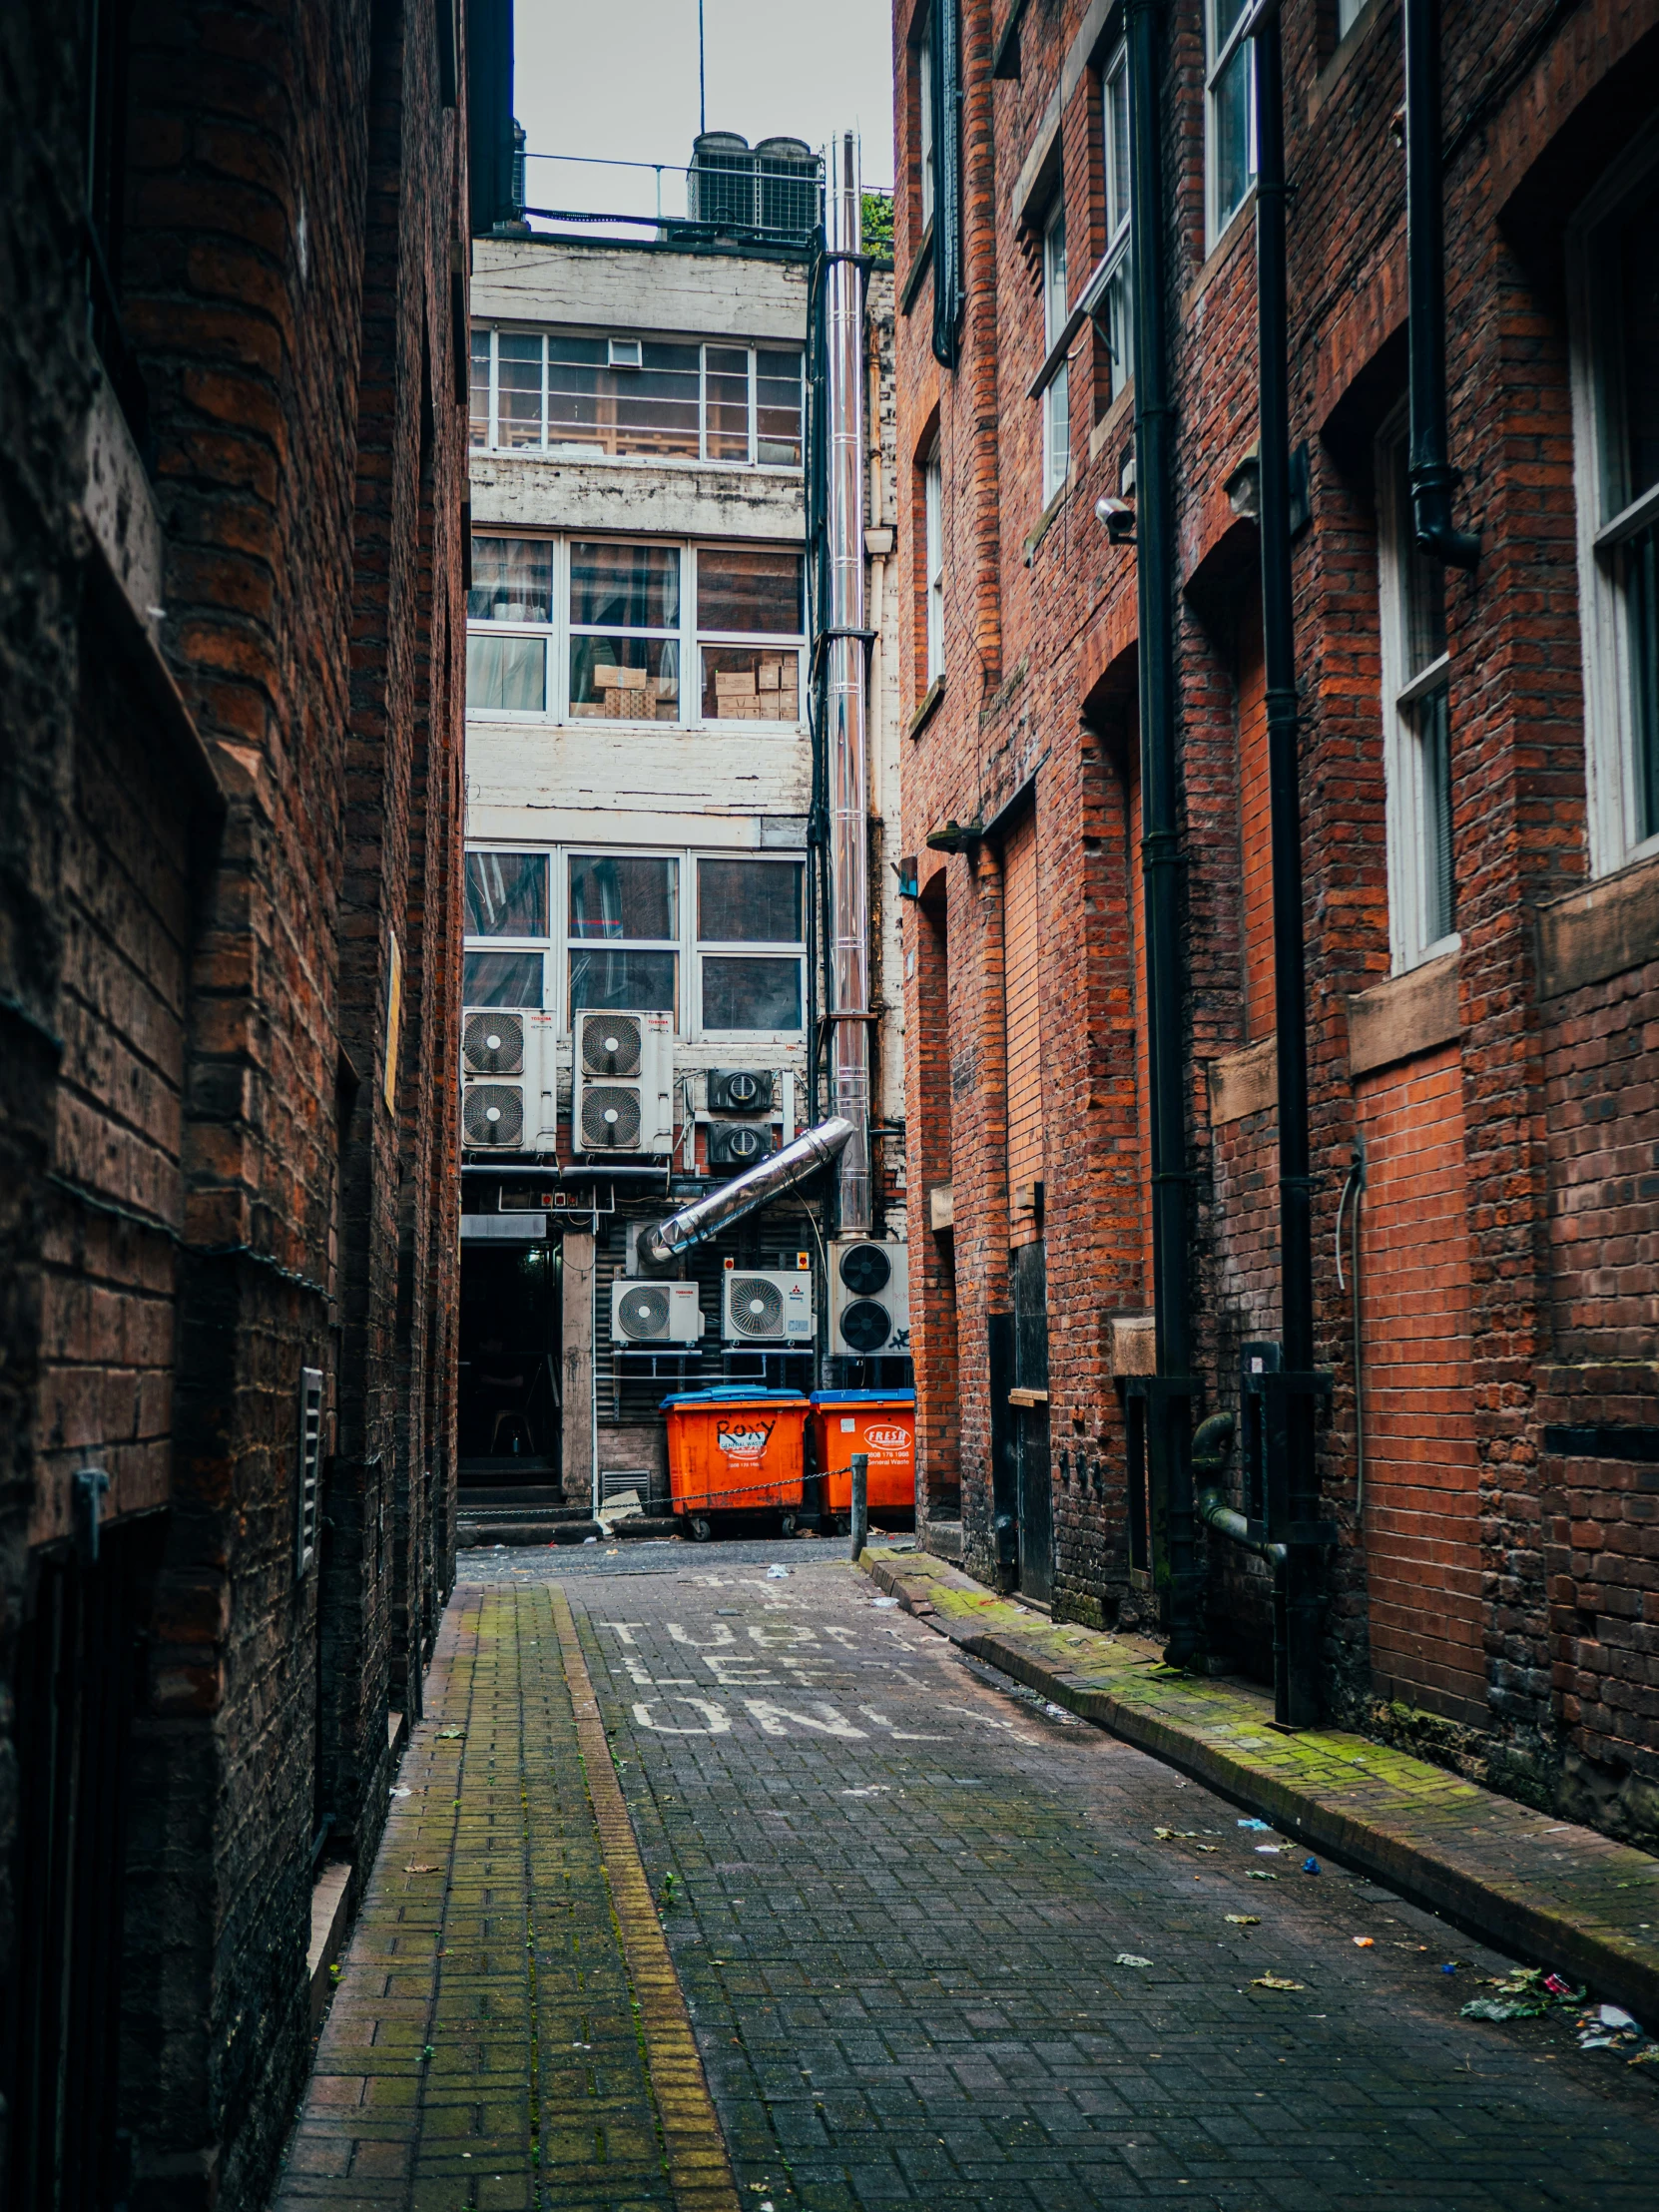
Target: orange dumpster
(879, 1423)
(734, 1450)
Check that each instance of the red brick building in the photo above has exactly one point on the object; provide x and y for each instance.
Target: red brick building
(1479, 795)
(233, 259)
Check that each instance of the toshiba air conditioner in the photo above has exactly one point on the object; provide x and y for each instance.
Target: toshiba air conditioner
(507, 1080)
(869, 1299)
(652, 1314)
(767, 1306)
(622, 1088)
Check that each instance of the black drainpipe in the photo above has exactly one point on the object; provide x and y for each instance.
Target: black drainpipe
(1169, 1411)
(1433, 478)
(1293, 1484)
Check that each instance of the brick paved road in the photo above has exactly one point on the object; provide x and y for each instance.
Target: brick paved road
(906, 1891)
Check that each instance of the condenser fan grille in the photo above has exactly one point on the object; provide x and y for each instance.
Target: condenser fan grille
(610, 1044)
(610, 1118)
(756, 1306)
(493, 1113)
(493, 1044)
(643, 1312)
(865, 1269)
(866, 1327)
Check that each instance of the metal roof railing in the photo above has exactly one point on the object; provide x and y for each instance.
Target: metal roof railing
(770, 194)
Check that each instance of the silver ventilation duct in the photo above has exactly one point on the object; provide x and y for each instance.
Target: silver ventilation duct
(844, 718)
(707, 1217)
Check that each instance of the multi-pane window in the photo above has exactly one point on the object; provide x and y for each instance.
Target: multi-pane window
(1615, 268)
(925, 111)
(586, 630)
(1230, 113)
(506, 929)
(552, 391)
(1118, 318)
(1056, 401)
(1417, 726)
(623, 933)
(716, 941)
(933, 482)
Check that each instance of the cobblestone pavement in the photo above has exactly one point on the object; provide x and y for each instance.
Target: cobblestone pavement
(934, 1951)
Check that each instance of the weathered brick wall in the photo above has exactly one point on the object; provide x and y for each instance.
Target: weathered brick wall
(1040, 670)
(212, 840)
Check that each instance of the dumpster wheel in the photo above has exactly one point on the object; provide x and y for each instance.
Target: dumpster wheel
(786, 1524)
(699, 1528)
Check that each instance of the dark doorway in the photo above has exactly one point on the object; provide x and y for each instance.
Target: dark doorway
(76, 1660)
(509, 1342)
(1029, 1403)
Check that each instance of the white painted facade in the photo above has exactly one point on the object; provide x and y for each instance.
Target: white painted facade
(558, 779)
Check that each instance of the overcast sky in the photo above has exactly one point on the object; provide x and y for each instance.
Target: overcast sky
(618, 79)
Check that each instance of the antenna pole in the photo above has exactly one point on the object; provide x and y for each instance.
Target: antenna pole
(702, 78)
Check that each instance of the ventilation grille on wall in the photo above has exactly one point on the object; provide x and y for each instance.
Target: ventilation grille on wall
(310, 1484)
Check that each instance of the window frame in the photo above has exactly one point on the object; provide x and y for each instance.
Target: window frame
(1608, 519)
(689, 948)
(584, 455)
(1055, 399)
(932, 499)
(691, 638)
(1404, 691)
(928, 174)
(474, 942)
(1217, 62)
(1115, 284)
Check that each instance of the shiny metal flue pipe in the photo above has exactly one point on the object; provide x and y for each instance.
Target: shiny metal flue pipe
(707, 1217)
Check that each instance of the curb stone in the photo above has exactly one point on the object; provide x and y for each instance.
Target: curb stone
(1552, 1891)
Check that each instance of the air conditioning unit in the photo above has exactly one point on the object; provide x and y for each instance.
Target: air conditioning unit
(508, 1086)
(652, 1314)
(622, 1088)
(738, 1144)
(766, 1307)
(869, 1299)
(740, 1091)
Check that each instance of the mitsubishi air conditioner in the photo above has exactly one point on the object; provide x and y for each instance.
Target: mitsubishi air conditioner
(766, 1307)
(655, 1313)
(869, 1299)
(508, 1085)
(622, 1087)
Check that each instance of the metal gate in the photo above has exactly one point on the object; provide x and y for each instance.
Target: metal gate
(73, 1686)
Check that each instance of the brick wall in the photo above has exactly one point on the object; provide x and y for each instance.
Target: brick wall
(1422, 1502)
(213, 844)
(1469, 1617)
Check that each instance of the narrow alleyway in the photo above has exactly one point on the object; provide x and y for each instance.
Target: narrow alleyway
(932, 1944)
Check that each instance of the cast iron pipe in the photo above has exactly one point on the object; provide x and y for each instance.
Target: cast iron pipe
(1169, 1411)
(1296, 1691)
(1211, 1445)
(1433, 478)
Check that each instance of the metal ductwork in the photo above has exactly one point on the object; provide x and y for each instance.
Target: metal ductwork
(844, 641)
(707, 1217)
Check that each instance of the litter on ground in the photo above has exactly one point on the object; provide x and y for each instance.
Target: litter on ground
(1366, 1943)
(1276, 1982)
(777, 1574)
(1128, 1959)
(1244, 1919)
(1264, 1826)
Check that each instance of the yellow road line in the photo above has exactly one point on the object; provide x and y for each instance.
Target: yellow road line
(699, 2168)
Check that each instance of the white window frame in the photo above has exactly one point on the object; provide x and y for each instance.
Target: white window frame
(1056, 394)
(1349, 13)
(1117, 272)
(689, 638)
(1607, 519)
(588, 456)
(688, 948)
(926, 162)
(1219, 54)
(542, 945)
(1408, 797)
(932, 492)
